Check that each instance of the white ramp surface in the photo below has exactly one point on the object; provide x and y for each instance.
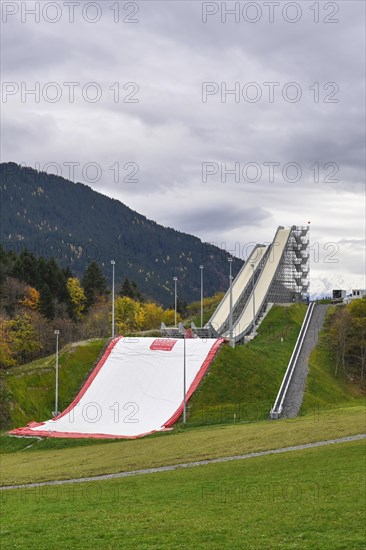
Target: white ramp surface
(241, 280)
(135, 389)
(264, 282)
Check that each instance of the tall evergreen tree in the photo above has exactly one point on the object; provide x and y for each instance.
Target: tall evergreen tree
(94, 283)
(25, 268)
(182, 307)
(3, 266)
(46, 304)
(130, 289)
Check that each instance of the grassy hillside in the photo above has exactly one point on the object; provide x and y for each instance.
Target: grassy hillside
(244, 381)
(323, 389)
(32, 460)
(30, 389)
(306, 499)
(310, 498)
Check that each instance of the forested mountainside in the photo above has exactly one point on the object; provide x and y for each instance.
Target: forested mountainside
(53, 217)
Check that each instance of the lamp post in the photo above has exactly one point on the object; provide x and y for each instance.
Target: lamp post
(113, 263)
(253, 267)
(57, 332)
(308, 276)
(175, 279)
(231, 340)
(201, 268)
(184, 381)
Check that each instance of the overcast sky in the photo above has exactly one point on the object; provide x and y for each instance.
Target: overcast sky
(133, 99)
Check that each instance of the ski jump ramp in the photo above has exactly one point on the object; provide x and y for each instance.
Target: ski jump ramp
(136, 389)
(221, 315)
(263, 284)
(273, 273)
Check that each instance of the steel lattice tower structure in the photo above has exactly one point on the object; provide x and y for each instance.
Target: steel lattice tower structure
(291, 282)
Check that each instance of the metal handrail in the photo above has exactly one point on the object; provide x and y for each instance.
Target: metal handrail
(282, 392)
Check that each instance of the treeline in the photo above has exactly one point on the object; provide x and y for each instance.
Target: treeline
(37, 297)
(40, 284)
(53, 216)
(347, 339)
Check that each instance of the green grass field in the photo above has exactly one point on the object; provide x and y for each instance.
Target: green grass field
(65, 459)
(30, 389)
(313, 498)
(305, 499)
(244, 381)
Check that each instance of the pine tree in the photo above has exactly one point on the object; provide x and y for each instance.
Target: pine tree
(126, 289)
(46, 304)
(136, 291)
(182, 307)
(25, 268)
(53, 277)
(130, 289)
(64, 293)
(94, 283)
(3, 267)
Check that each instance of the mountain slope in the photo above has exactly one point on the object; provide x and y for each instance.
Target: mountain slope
(52, 216)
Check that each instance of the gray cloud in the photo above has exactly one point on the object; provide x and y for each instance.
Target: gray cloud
(170, 132)
(227, 218)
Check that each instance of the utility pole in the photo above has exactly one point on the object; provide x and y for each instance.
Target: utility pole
(184, 381)
(57, 332)
(113, 264)
(175, 279)
(201, 268)
(231, 339)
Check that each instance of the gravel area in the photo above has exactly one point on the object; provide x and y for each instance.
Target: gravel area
(295, 393)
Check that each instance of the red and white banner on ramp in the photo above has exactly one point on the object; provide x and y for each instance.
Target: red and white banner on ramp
(136, 389)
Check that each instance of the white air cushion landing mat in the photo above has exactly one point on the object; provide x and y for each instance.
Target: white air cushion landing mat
(135, 389)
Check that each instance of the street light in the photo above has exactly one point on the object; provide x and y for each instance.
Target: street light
(253, 267)
(113, 263)
(201, 268)
(231, 340)
(308, 276)
(184, 381)
(175, 279)
(55, 413)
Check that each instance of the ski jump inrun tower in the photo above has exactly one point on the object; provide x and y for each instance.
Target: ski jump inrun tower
(274, 273)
